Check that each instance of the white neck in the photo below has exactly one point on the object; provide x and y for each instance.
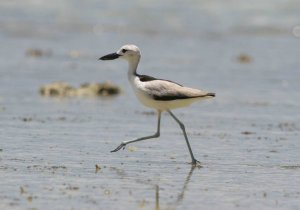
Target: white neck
(133, 63)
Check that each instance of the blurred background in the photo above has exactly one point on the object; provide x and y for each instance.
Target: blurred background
(245, 51)
(205, 44)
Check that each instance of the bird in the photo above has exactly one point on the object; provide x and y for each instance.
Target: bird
(159, 94)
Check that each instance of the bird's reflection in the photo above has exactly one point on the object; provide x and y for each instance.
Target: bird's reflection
(157, 197)
(185, 185)
(180, 197)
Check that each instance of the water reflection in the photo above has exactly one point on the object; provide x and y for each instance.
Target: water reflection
(185, 185)
(170, 205)
(180, 196)
(157, 198)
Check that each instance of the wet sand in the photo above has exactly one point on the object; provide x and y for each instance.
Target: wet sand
(246, 138)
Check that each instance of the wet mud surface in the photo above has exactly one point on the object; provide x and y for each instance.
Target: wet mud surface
(55, 151)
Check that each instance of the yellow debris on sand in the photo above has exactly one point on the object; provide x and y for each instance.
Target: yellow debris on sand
(63, 89)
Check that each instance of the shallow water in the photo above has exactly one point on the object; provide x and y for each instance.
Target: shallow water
(246, 138)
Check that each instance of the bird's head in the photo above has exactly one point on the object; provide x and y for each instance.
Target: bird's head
(127, 52)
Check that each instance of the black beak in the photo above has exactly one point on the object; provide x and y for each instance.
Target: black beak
(111, 56)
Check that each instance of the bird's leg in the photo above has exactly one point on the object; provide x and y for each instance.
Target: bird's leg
(194, 161)
(157, 134)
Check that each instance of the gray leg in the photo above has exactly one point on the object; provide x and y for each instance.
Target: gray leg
(194, 161)
(124, 143)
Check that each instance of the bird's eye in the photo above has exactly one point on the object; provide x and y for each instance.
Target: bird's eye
(124, 51)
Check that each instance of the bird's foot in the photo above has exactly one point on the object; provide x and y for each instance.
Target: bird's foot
(122, 145)
(196, 163)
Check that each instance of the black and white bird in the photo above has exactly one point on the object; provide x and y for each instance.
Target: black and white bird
(162, 95)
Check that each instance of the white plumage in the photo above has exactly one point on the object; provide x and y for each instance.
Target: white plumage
(159, 94)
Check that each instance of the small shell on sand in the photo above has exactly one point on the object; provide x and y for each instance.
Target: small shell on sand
(32, 52)
(62, 89)
(244, 58)
(98, 168)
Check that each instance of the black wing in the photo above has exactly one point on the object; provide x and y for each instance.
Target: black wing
(146, 78)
